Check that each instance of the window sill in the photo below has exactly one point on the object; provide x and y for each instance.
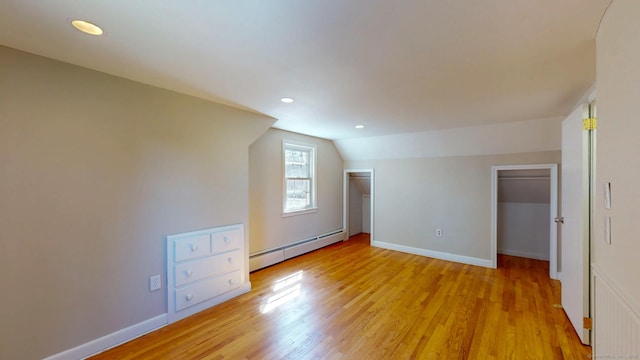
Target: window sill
(300, 212)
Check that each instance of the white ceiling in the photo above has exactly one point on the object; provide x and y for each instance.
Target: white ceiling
(394, 66)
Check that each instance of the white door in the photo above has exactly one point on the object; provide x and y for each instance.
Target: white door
(574, 249)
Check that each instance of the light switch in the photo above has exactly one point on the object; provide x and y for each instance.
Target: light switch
(607, 230)
(607, 195)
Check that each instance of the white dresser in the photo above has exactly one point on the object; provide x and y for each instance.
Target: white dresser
(205, 268)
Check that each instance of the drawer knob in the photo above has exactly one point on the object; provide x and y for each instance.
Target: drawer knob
(189, 297)
(226, 240)
(194, 247)
(230, 281)
(230, 260)
(189, 272)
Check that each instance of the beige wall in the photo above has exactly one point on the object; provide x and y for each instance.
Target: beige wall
(355, 208)
(413, 197)
(95, 171)
(268, 228)
(618, 148)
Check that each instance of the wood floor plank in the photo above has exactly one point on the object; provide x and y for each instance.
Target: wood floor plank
(354, 301)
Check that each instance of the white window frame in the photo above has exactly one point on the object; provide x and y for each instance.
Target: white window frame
(312, 207)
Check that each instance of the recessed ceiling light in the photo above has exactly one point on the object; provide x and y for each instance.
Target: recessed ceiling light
(86, 27)
(286, 100)
(359, 126)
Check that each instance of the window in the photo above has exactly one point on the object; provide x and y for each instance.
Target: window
(299, 177)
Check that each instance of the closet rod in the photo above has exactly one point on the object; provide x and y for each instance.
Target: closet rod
(524, 178)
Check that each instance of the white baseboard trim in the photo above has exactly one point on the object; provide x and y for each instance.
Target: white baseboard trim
(435, 254)
(114, 339)
(524, 254)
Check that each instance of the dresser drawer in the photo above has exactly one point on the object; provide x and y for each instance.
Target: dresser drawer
(226, 240)
(206, 289)
(192, 247)
(195, 294)
(229, 282)
(211, 266)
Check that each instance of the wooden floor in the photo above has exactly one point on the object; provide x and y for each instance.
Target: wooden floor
(353, 301)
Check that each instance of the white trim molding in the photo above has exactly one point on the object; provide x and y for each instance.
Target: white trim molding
(434, 254)
(111, 340)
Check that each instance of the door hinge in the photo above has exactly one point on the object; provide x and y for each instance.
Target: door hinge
(589, 123)
(587, 323)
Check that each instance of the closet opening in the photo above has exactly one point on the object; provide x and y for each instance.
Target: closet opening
(358, 203)
(525, 204)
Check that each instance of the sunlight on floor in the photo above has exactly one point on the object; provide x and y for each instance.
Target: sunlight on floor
(285, 290)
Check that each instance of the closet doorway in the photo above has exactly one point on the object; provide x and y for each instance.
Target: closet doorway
(524, 207)
(358, 202)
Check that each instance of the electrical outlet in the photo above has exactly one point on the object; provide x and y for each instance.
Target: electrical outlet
(439, 232)
(155, 283)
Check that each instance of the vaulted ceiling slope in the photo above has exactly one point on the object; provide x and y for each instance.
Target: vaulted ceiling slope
(393, 66)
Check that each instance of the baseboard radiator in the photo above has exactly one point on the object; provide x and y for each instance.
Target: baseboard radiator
(616, 323)
(273, 256)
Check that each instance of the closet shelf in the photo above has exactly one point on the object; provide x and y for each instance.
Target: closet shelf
(524, 178)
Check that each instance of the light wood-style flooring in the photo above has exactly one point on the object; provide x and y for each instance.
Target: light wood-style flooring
(354, 301)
